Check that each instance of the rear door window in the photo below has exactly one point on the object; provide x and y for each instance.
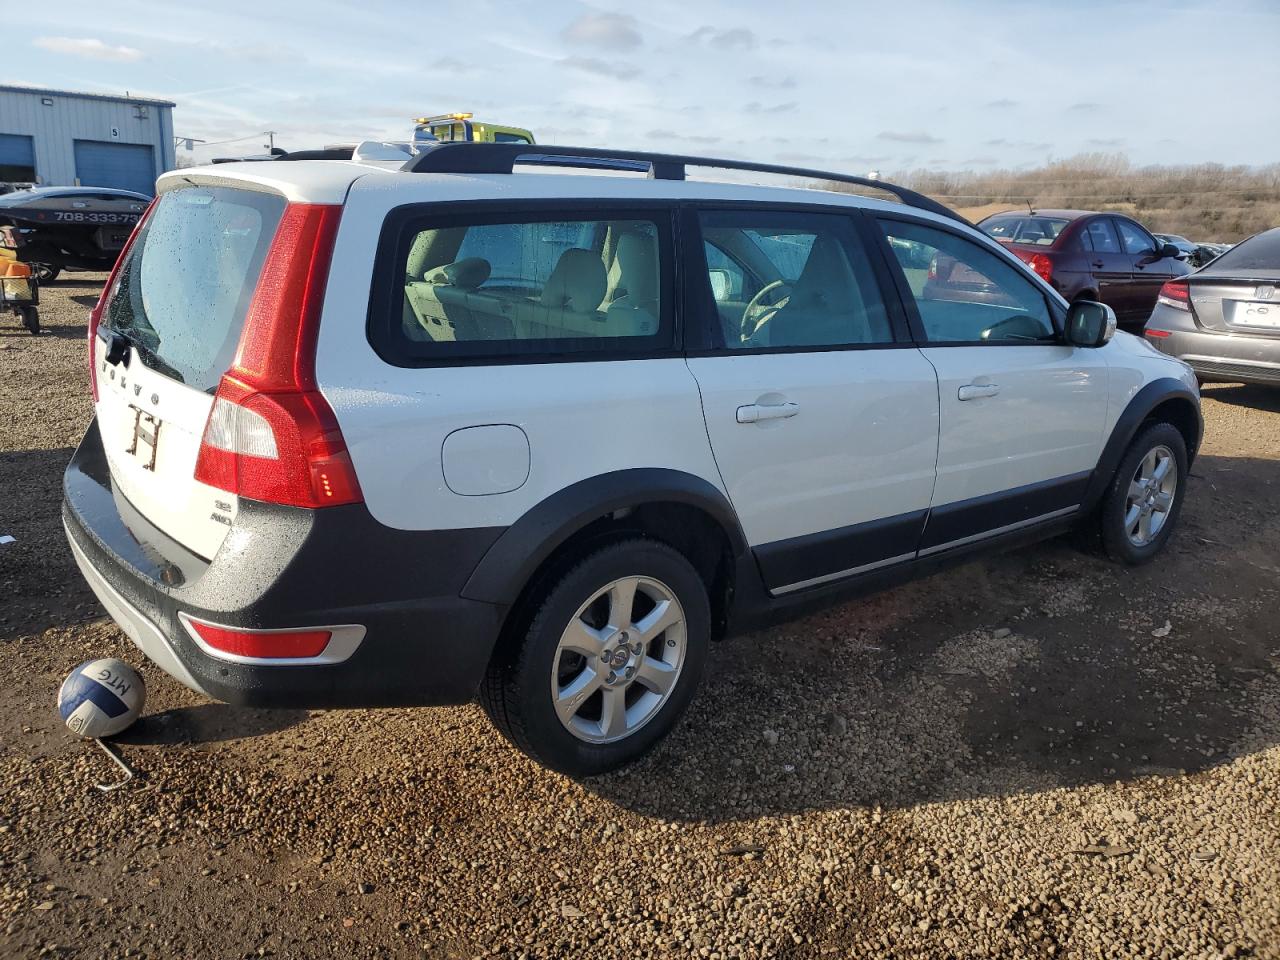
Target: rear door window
(182, 293)
(494, 286)
(1102, 239)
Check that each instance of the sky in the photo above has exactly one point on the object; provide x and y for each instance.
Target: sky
(847, 86)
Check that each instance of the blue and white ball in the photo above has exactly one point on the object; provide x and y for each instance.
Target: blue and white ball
(101, 698)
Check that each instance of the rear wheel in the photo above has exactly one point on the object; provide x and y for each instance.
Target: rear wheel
(30, 318)
(1141, 507)
(608, 662)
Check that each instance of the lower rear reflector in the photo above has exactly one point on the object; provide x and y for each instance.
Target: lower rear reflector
(261, 644)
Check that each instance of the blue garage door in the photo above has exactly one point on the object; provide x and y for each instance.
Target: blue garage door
(17, 159)
(128, 166)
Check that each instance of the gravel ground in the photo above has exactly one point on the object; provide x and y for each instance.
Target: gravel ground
(1036, 755)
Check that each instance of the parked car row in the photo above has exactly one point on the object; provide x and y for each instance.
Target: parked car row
(1107, 257)
(1196, 254)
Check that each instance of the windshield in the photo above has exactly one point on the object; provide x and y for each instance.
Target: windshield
(182, 293)
(1259, 256)
(1040, 231)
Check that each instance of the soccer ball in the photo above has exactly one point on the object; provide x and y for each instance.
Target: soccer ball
(101, 698)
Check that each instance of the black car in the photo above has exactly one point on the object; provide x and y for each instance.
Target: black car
(70, 227)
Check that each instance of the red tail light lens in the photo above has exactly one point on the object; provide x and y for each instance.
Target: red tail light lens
(271, 435)
(1041, 263)
(107, 292)
(1176, 294)
(261, 644)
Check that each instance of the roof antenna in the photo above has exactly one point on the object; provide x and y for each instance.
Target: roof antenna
(1030, 209)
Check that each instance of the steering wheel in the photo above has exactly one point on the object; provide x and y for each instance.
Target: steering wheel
(758, 313)
(1019, 327)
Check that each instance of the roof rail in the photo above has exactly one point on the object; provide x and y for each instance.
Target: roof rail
(328, 153)
(460, 157)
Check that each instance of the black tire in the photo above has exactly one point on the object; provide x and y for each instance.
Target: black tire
(30, 319)
(45, 272)
(516, 691)
(1115, 502)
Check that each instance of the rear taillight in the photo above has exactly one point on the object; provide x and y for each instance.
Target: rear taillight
(1176, 294)
(108, 291)
(1041, 263)
(271, 435)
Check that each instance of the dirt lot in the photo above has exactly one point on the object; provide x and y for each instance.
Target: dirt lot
(1040, 754)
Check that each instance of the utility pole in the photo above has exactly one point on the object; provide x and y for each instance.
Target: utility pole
(271, 137)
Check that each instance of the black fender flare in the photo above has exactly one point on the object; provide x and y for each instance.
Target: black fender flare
(514, 557)
(1135, 414)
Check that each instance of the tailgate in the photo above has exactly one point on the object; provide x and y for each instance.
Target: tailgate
(169, 330)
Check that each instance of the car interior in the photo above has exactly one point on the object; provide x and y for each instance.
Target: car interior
(533, 281)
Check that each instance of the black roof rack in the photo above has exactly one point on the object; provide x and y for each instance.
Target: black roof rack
(459, 157)
(328, 153)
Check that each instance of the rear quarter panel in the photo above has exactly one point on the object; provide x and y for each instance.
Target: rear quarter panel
(581, 419)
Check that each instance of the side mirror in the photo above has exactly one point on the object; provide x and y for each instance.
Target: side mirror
(1169, 250)
(1090, 324)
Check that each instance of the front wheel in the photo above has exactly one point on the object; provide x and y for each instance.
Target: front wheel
(1141, 507)
(608, 662)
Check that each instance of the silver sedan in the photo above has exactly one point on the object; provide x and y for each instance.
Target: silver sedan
(1224, 319)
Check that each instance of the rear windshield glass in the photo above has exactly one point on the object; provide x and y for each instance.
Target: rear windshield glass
(1040, 231)
(1261, 252)
(182, 294)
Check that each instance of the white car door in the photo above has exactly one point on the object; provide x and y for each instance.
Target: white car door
(822, 416)
(1022, 412)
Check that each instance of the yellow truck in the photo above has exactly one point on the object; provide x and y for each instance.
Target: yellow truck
(462, 127)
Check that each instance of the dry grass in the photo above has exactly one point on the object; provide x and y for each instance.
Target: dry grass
(1202, 202)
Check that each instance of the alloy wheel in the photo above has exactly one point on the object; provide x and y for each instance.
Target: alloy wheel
(618, 659)
(1151, 495)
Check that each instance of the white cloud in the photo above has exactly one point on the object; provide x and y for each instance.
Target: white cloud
(90, 47)
(608, 31)
(619, 71)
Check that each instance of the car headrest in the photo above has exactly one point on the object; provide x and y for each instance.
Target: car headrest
(467, 273)
(577, 283)
(826, 276)
(638, 263)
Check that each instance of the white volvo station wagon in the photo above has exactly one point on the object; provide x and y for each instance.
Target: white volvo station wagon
(380, 429)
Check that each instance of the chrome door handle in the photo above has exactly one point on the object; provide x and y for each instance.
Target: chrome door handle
(755, 412)
(975, 391)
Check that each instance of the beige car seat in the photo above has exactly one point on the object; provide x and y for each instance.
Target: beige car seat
(825, 306)
(635, 312)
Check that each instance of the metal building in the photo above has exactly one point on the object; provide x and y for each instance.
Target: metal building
(63, 138)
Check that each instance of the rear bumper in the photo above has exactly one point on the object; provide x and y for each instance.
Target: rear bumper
(1226, 356)
(283, 567)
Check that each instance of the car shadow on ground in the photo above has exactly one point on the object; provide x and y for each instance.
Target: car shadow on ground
(1032, 670)
(60, 333)
(1245, 395)
(77, 283)
(208, 723)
